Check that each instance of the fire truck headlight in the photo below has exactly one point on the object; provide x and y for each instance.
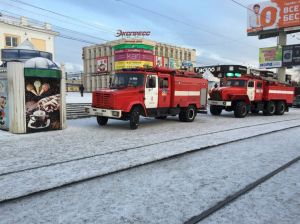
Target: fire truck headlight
(115, 113)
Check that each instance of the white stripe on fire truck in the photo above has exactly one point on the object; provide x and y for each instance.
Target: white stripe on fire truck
(187, 93)
(281, 92)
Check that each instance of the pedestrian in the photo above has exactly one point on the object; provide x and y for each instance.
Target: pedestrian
(81, 89)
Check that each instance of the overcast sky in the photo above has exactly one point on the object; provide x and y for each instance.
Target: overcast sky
(215, 28)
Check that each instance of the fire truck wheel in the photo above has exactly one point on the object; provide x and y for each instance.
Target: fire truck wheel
(188, 114)
(269, 108)
(134, 118)
(102, 120)
(215, 110)
(280, 108)
(240, 110)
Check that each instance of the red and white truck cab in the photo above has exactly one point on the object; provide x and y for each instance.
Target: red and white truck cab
(155, 92)
(251, 93)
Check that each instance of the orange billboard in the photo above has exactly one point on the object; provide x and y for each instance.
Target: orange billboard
(273, 15)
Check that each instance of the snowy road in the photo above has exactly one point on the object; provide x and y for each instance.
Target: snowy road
(241, 163)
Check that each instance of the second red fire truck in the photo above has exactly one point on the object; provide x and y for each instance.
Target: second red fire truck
(156, 92)
(247, 93)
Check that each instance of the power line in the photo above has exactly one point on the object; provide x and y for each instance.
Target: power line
(58, 35)
(69, 22)
(182, 22)
(64, 16)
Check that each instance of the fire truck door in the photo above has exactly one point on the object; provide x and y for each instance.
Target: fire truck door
(258, 91)
(164, 92)
(251, 90)
(151, 91)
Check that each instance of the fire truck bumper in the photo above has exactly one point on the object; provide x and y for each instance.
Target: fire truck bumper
(220, 103)
(103, 112)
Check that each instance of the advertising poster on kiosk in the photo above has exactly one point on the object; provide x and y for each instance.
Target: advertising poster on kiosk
(270, 57)
(42, 100)
(4, 119)
(273, 15)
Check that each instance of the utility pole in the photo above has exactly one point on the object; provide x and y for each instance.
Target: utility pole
(282, 41)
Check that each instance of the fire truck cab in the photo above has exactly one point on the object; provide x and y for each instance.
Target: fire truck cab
(156, 92)
(251, 93)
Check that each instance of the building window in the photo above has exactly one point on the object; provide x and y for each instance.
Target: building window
(176, 54)
(185, 55)
(39, 44)
(95, 53)
(161, 51)
(172, 53)
(105, 51)
(167, 52)
(156, 50)
(189, 56)
(180, 55)
(99, 51)
(11, 41)
(90, 54)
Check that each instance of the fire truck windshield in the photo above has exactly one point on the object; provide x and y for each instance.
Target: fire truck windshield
(236, 83)
(120, 81)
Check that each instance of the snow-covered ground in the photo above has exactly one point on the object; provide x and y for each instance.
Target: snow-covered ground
(172, 191)
(75, 97)
(83, 138)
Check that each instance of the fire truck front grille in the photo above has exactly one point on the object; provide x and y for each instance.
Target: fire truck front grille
(102, 100)
(216, 95)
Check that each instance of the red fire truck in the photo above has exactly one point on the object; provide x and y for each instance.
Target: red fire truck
(155, 92)
(251, 93)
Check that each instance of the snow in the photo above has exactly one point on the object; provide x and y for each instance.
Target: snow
(167, 192)
(75, 97)
(178, 188)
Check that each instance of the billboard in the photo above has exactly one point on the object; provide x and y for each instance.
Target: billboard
(133, 56)
(270, 57)
(290, 55)
(132, 64)
(273, 15)
(102, 64)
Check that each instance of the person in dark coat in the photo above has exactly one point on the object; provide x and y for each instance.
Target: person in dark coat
(81, 89)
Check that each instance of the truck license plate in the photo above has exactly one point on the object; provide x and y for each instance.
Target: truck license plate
(99, 114)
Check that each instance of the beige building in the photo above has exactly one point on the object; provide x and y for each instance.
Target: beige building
(14, 31)
(109, 53)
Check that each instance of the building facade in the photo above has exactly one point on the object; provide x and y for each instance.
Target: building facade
(14, 31)
(101, 60)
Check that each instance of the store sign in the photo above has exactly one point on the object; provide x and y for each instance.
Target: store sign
(133, 51)
(204, 69)
(133, 57)
(102, 64)
(273, 15)
(133, 46)
(187, 64)
(132, 64)
(270, 57)
(121, 33)
(291, 55)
